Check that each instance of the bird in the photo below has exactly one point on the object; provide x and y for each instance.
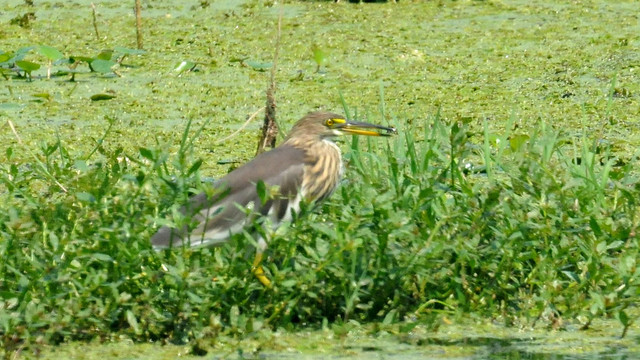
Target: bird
(307, 167)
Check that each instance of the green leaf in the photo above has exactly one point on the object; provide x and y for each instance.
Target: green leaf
(53, 240)
(194, 298)
(289, 283)
(185, 66)
(52, 53)
(196, 165)
(390, 317)
(601, 247)
(623, 318)
(516, 142)
(234, 314)
(10, 106)
(595, 227)
(4, 57)
(86, 197)
(261, 189)
(571, 275)
(45, 96)
(259, 66)
(98, 97)
(23, 51)
(102, 66)
(133, 322)
(614, 245)
(86, 59)
(105, 55)
(27, 66)
(102, 257)
(146, 153)
(81, 166)
(319, 56)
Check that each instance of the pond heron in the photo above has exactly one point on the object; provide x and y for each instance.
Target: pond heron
(307, 167)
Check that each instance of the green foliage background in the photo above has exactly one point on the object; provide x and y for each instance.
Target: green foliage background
(430, 228)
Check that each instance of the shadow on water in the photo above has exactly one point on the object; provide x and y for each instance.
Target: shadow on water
(515, 349)
(532, 348)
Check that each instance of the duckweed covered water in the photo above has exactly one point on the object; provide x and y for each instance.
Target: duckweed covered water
(470, 59)
(350, 341)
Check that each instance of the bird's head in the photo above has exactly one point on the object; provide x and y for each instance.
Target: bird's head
(325, 125)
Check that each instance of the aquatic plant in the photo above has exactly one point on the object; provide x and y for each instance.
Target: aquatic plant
(440, 223)
(106, 62)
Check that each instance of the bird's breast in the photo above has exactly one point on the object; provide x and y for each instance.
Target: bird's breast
(322, 171)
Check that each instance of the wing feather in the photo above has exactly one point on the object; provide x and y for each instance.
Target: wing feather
(213, 216)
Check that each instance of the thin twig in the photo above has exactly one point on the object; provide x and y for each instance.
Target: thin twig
(95, 21)
(270, 127)
(44, 169)
(241, 127)
(138, 24)
(272, 80)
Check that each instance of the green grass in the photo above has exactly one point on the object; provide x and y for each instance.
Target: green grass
(424, 226)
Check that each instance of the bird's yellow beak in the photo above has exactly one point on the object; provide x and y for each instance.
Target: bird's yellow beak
(363, 128)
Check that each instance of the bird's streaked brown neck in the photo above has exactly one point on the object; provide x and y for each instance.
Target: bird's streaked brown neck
(322, 170)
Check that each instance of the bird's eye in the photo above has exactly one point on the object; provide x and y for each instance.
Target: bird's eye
(329, 122)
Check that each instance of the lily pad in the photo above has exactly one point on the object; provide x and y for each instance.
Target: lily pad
(99, 97)
(102, 66)
(52, 53)
(105, 55)
(27, 66)
(45, 96)
(5, 56)
(86, 59)
(259, 66)
(319, 56)
(10, 106)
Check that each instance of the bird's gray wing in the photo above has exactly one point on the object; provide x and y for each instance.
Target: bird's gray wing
(212, 216)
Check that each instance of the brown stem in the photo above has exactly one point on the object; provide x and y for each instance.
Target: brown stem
(270, 126)
(95, 21)
(138, 25)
